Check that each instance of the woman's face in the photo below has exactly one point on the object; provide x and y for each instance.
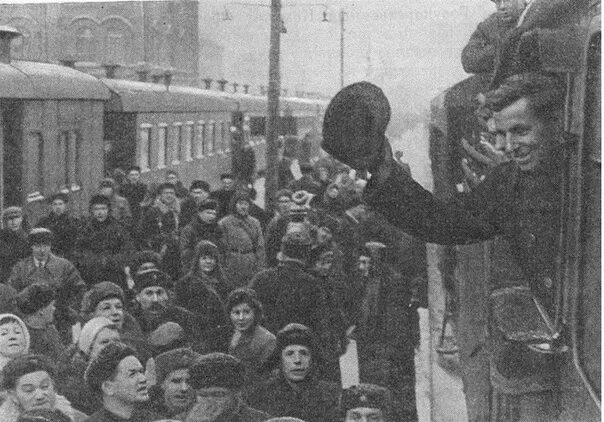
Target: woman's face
(14, 223)
(12, 339)
(242, 317)
(111, 308)
(207, 263)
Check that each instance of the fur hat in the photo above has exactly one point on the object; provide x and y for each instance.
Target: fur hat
(12, 212)
(92, 329)
(23, 365)
(354, 125)
(150, 278)
(172, 360)
(200, 184)
(99, 292)
(44, 415)
(217, 370)
(99, 200)
(365, 395)
(208, 204)
(167, 336)
(296, 245)
(103, 366)
(40, 236)
(295, 333)
(35, 297)
(6, 318)
(165, 185)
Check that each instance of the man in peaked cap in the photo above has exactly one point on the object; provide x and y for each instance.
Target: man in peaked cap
(154, 307)
(364, 403)
(218, 379)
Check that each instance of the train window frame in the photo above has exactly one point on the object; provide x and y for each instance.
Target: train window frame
(201, 139)
(145, 147)
(162, 145)
(76, 160)
(176, 143)
(35, 172)
(189, 134)
(212, 139)
(218, 146)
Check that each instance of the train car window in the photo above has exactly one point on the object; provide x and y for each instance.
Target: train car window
(64, 161)
(201, 139)
(288, 125)
(69, 160)
(75, 159)
(177, 144)
(212, 143)
(218, 140)
(257, 126)
(188, 139)
(588, 324)
(162, 146)
(145, 147)
(35, 166)
(225, 137)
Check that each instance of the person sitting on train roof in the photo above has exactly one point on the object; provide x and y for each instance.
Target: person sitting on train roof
(13, 240)
(297, 388)
(60, 274)
(173, 179)
(366, 402)
(63, 226)
(103, 246)
(159, 228)
(244, 243)
(134, 191)
(120, 209)
(224, 194)
(199, 191)
(203, 226)
(479, 54)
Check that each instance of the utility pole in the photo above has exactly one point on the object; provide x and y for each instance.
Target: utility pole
(272, 121)
(342, 13)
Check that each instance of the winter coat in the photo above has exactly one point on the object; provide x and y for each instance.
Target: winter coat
(478, 56)
(188, 210)
(120, 210)
(244, 243)
(224, 201)
(192, 234)
(65, 231)
(254, 348)
(289, 294)
(13, 247)
(313, 401)
(46, 341)
(10, 411)
(70, 381)
(103, 415)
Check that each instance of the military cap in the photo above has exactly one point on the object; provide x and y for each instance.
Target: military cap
(100, 200)
(150, 278)
(164, 186)
(217, 370)
(134, 168)
(12, 212)
(354, 125)
(208, 204)
(103, 366)
(365, 395)
(35, 297)
(200, 184)
(59, 195)
(40, 235)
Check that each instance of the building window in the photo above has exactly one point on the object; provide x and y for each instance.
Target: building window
(188, 139)
(162, 146)
(145, 148)
(201, 139)
(35, 166)
(177, 144)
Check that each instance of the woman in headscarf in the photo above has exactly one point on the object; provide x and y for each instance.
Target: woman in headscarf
(14, 338)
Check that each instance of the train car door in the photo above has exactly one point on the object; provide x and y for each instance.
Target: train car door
(11, 116)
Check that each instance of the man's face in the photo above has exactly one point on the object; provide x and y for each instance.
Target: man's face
(171, 178)
(284, 203)
(58, 207)
(324, 264)
(521, 136)
(100, 212)
(227, 183)
(242, 208)
(199, 195)
(364, 414)
(364, 265)
(178, 394)
(47, 314)
(323, 174)
(14, 224)
(102, 339)
(107, 192)
(208, 216)
(509, 10)
(210, 403)
(134, 176)
(167, 196)
(153, 299)
(40, 251)
(34, 391)
(129, 385)
(207, 263)
(112, 309)
(295, 362)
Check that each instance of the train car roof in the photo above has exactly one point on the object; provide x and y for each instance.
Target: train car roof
(36, 80)
(146, 97)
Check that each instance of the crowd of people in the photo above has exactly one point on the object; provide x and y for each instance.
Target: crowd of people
(198, 305)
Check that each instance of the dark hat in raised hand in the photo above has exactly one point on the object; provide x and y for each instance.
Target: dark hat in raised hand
(354, 125)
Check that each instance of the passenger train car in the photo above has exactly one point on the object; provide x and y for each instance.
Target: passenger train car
(575, 317)
(64, 130)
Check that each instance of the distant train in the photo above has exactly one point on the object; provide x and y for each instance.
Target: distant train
(64, 130)
(574, 319)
